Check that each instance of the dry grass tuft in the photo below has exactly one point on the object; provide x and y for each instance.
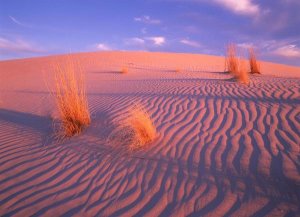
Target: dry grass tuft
(231, 59)
(124, 70)
(178, 70)
(254, 65)
(236, 65)
(71, 99)
(241, 74)
(135, 131)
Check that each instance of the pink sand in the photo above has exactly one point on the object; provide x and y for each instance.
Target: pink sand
(223, 149)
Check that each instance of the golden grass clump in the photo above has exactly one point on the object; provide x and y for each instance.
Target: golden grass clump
(236, 65)
(177, 70)
(135, 131)
(124, 70)
(143, 127)
(241, 74)
(71, 99)
(254, 65)
(231, 60)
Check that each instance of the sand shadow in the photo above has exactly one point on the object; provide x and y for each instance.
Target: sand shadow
(40, 124)
(107, 72)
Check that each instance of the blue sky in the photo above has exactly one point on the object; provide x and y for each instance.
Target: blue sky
(44, 27)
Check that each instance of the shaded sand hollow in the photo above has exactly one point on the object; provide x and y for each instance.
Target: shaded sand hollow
(223, 149)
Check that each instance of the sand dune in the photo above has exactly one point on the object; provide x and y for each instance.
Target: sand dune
(223, 149)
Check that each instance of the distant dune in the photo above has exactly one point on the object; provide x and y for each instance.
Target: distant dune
(222, 148)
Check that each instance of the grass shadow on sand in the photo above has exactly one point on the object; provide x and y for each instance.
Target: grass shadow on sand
(106, 72)
(90, 155)
(40, 124)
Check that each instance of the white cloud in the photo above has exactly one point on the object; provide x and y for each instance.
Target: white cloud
(159, 40)
(283, 48)
(102, 46)
(135, 41)
(147, 19)
(244, 7)
(190, 43)
(145, 42)
(246, 45)
(290, 50)
(17, 46)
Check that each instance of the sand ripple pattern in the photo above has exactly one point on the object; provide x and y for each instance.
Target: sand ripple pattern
(223, 149)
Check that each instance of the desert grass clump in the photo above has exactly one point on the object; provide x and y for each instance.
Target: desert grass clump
(241, 74)
(124, 70)
(231, 59)
(71, 99)
(178, 70)
(254, 65)
(135, 131)
(235, 65)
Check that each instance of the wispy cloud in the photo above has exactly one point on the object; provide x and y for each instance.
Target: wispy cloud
(17, 46)
(147, 19)
(290, 50)
(244, 7)
(145, 41)
(280, 48)
(246, 45)
(36, 27)
(190, 43)
(13, 19)
(158, 40)
(103, 47)
(135, 41)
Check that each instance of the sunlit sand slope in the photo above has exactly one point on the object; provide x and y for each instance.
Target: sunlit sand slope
(223, 148)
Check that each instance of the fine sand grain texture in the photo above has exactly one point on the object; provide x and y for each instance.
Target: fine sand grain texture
(221, 148)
